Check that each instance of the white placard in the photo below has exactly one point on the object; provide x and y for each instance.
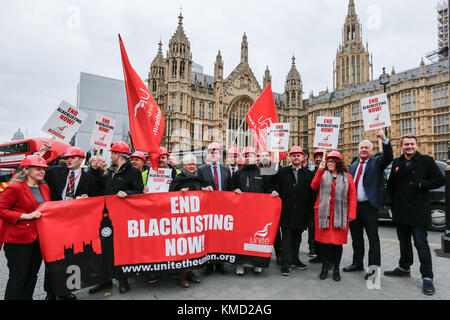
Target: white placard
(375, 112)
(103, 131)
(64, 122)
(278, 137)
(159, 181)
(327, 132)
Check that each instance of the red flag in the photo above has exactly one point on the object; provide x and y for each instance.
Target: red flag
(146, 119)
(260, 116)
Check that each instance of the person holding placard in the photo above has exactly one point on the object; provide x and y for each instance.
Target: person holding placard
(335, 206)
(367, 172)
(67, 183)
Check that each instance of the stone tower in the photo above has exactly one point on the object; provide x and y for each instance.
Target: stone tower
(352, 65)
(293, 88)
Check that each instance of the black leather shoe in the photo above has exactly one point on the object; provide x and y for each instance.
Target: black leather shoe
(368, 274)
(353, 268)
(324, 274)
(101, 287)
(336, 275)
(398, 273)
(124, 287)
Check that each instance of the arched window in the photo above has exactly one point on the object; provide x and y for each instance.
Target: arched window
(174, 67)
(182, 65)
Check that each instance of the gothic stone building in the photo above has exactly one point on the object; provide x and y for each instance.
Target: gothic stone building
(200, 108)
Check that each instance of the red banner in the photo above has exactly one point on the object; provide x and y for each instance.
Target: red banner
(160, 228)
(146, 119)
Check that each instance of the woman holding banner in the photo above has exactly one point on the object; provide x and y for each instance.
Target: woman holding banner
(18, 205)
(186, 181)
(335, 206)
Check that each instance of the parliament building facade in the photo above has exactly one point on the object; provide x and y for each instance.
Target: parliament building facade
(200, 108)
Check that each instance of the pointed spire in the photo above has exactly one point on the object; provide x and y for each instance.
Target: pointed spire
(179, 36)
(293, 73)
(351, 8)
(244, 49)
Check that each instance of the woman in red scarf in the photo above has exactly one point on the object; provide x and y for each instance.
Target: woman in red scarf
(335, 207)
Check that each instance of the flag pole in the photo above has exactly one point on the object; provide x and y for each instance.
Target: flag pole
(239, 130)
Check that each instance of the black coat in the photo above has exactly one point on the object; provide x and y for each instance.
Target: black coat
(249, 179)
(205, 175)
(297, 199)
(127, 179)
(408, 188)
(56, 178)
(184, 181)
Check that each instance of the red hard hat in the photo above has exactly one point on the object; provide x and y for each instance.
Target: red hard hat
(120, 147)
(318, 151)
(335, 154)
(74, 151)
(139, 155)
(213, 146)
(249, 150)
(33, 161)
(233, 150)
(296, 149)
(163, 151)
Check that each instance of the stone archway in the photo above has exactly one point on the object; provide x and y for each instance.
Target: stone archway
(236, 126)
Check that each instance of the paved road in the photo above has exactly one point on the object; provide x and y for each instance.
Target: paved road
(270, 285)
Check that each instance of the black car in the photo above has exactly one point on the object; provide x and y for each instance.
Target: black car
(437, 202)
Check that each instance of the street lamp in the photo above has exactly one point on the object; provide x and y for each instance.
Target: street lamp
(385, 79)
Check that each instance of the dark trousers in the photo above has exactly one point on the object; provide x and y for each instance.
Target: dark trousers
(277, 245)
(24, 262)
(419, 235)
(366, 219)
(290, 242)
(330, 255)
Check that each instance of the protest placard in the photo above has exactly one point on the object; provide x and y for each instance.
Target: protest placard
(327, 132)
(375, 112)
(64, 122)
(158, 181)
(278, 137)
(103, 131)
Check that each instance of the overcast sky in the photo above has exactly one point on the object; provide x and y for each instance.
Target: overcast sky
(45, 44)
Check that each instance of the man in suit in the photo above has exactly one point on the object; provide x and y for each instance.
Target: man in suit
(214, 177)
(71, 182)
(412, 176)
(67, 183)
(367, 173)
(233, 159)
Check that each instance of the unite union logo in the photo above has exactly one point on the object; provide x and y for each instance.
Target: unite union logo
(260, 236)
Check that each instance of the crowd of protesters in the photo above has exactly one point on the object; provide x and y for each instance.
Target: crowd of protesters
(322, 196)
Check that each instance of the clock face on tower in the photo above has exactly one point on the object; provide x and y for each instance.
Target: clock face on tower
(106, 232)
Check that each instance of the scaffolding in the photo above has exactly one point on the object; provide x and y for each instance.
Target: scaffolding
(443, 17)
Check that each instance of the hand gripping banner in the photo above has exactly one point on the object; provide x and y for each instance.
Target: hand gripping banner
(89, 241)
